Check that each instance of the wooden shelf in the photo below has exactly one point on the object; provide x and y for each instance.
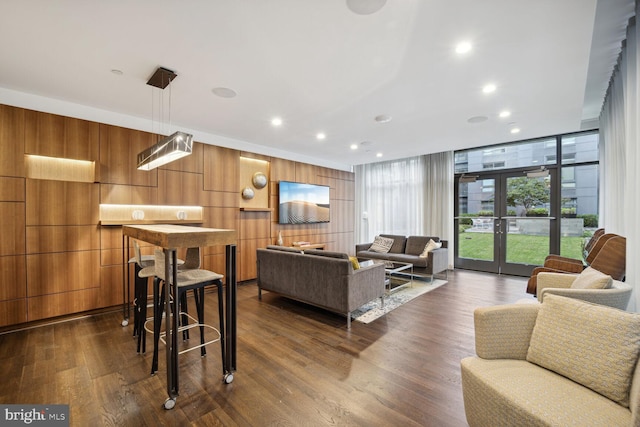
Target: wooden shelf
(147, 222)
(256, 209)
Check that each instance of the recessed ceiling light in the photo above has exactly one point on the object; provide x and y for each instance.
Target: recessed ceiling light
(379, 155)
(505, 113)
(365, 7)
(354, 146)
(477, 119)
(382, 118)
(463, 47)
(117, 72)
(515, 130)
(276, 121)
(321, 136)
(224, 92)
(489, 88)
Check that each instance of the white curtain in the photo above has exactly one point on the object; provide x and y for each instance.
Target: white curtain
(412, 196)
(619, 130)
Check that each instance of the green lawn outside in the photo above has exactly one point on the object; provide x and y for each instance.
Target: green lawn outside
(522, 249)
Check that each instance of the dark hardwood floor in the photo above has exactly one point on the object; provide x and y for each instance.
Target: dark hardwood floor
(297, 365)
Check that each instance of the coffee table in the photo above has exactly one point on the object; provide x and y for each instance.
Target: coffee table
(395, 273)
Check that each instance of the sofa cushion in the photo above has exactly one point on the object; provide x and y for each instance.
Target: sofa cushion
(284, 249)
(593, 345)
(517, 393)
(416, 244)
(381, 244)
(430, 246)
(590, 278)
(354, 262)
(399, 243)
(318, 252)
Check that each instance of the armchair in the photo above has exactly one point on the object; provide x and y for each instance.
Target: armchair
(560, 264)
(617, 295)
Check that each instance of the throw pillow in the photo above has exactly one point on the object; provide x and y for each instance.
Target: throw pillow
(593, 345)
(590, 278)
(354, 262)
(429, 247)
(381, 245)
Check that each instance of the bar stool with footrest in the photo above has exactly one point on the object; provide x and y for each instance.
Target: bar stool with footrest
(195, 279)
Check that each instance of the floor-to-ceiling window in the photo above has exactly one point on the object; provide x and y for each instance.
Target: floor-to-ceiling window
(518, 202)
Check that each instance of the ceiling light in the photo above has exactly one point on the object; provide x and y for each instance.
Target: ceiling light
(276, 121)
(224, 92)
(166, 150)
(169, 148)
(321, 136)
(489, 88)
(505, 113)
(365, 7)
(379, 155)
(463, 47)
(382, 118)
(354, 146)
(515, 130)
(467, 178)
(538, 173)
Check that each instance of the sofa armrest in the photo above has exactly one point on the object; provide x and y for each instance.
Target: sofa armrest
(553, 280)
(365, 284)
(439, 260)
(612, 297)
(362, 247)
(504, 332)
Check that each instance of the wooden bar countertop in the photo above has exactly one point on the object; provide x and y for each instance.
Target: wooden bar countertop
(180, 236)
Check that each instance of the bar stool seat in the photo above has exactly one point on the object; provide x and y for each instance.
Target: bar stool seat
(195, 279)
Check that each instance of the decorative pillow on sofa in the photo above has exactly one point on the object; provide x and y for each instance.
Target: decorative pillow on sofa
(354, 262)
(429, 247)
(593, 345)
(590, 278)
(381, 245)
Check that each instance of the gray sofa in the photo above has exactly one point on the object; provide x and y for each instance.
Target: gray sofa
(321, 278)
(408, 249)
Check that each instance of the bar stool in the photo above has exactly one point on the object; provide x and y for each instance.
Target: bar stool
(140, 294)
(195, 279)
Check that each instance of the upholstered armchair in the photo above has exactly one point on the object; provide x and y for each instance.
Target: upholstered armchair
(615, 293)
(607, 254)
(564, 362)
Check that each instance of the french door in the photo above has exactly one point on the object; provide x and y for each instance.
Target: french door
(503, 222)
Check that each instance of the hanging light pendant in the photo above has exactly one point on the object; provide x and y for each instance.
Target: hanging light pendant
(172, 147)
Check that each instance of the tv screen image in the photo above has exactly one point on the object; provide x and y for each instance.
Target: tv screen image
(303, 203)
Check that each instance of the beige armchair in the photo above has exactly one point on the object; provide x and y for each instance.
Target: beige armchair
(617, 295)
(564, 362)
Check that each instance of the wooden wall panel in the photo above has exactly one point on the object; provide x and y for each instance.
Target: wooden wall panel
(128, 194)
(179, 188)
(13, 277)
(282, 170)
(119, 148)
(221, 169)
(13, 312)
(255, 225)
(62, 203)
(111, 286)
(12, 228)
(48, 306)
(247, 257)
(219, 199)
(11, 189)
(62, 272)
(58, 136)
(44, 239)
(11, 141)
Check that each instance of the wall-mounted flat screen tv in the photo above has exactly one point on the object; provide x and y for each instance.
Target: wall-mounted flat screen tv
(302, 203)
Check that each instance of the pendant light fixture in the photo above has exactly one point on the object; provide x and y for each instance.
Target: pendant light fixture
(172, 147)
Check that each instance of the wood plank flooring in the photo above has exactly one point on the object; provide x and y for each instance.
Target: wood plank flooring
(297, 365)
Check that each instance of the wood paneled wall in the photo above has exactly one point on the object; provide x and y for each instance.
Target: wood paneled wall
(55, 258)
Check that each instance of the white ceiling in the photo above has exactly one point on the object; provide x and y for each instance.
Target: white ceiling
(319, 67)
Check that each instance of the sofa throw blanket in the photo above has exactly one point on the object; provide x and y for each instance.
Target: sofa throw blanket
(381, 245)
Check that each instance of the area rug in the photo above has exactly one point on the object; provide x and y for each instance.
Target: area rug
(373, 310)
